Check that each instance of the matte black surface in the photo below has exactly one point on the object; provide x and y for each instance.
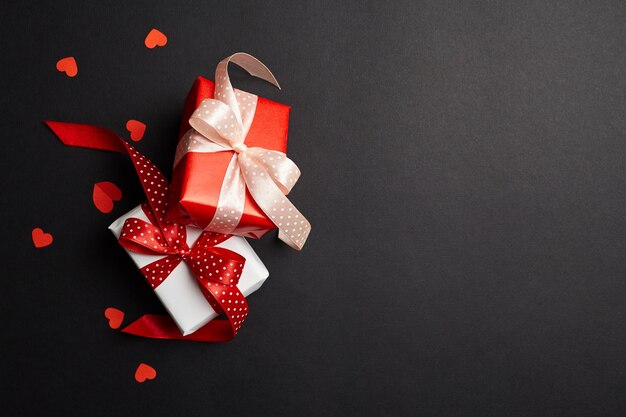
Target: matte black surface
(463, 169)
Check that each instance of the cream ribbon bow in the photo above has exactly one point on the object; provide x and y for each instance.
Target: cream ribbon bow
(221, 124)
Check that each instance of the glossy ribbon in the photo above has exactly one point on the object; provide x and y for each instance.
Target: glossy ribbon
(216, 269)
(221, 124)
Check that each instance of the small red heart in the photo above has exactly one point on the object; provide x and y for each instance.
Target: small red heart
(68, 66)
(136, 129)
(155, 38)
(104, 194)
(115, 316)
(144, 372)
(41, 239)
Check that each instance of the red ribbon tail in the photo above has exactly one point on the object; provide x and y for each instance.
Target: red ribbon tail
(94, 137)
(154, 326)
(86, 136)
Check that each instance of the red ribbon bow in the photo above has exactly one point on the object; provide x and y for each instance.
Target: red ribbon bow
(209, 264)
(217, 270)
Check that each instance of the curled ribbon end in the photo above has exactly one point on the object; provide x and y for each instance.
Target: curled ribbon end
(253, 66)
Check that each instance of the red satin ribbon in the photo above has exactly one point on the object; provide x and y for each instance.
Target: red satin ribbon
(216, 269)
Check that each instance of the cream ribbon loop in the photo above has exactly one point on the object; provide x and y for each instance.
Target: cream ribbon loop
(221, 124)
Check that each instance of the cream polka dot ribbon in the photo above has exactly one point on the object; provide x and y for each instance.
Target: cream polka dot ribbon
(221, 124)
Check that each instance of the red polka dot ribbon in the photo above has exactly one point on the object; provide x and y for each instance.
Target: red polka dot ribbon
(217, 269)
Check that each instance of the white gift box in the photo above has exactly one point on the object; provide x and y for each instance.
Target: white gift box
(180, 293)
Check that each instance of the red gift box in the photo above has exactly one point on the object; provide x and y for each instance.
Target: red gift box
(231, 173)
(198, 177)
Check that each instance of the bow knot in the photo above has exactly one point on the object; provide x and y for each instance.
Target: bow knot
(239, 147)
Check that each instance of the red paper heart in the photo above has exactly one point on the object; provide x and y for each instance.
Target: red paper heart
(136, 129)
(115, 316)
(155, 38)
(40, 238)
(104, 194)
(68, 66)
(144, 372)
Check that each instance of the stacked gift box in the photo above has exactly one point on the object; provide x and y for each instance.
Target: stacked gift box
(230, 181)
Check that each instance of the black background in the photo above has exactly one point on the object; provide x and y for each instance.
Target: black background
(463, 169)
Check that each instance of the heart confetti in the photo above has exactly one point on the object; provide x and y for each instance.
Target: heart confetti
(104, 194)
(68, 66)
(136, 129)
(115, 316)
(155, 38)
(144, 372)
(40, 238)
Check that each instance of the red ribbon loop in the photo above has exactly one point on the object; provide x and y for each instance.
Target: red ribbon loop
(142, 237)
